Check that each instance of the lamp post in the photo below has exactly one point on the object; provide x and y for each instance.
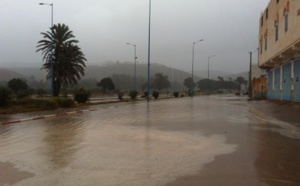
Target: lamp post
(51, 58)
(193, 57)
(250, 74)
(149, 39)
(134, 81)
(208, 87)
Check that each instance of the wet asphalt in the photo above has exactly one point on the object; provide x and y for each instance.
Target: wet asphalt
(208, 140)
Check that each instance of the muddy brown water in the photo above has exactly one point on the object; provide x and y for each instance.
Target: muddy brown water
(215, 140)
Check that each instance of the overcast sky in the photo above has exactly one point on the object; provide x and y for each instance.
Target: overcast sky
(103, 27)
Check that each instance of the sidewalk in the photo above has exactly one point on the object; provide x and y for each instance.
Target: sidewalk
(284, 111)
(97, 104)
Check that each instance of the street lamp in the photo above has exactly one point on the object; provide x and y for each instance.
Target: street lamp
(134, 82)
(208, 73)
(193, 64)
(250, 74)
(149, 39)
(51, 58)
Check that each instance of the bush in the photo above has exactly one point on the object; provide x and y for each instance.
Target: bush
(120, 95)
(155, 94)
(64, 102)
(81, 95)
(37, 103)
(19, 87)
(133, 94)
(41, 92)
(4, 96)
(23, 93)
(176, 94)
(190, 93)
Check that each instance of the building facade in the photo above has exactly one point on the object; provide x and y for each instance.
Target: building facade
(279, 49)
(259, 82)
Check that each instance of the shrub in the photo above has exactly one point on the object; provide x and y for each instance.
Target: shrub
(37, 103)
(41, 92)
(19, 87)
(81, 95)
(190, 93)
(65, 91)
(23, 93)
(146, 94)
(155, 94)
(176, 94)
(4, 96)
(45, 104)
(120, 95)
(64, 102)
(133, 94)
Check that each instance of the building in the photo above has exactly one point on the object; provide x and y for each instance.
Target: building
(279, 49)
(257, 72)
(259, 82)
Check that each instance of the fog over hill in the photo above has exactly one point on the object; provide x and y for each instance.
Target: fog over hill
(101, 71)
(6, 75)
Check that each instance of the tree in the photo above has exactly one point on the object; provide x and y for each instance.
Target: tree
(221, 79)
(122, 81)
(107, 84)
(221, 83)
(160, 81)
(19, 87)
(188, 82)
(68, 59)
(4, 96)
(203, 84)
(240, 80)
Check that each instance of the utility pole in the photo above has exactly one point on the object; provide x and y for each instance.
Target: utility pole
(250, 77)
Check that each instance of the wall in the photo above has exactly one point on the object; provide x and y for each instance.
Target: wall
(275, 13)
(259, 88)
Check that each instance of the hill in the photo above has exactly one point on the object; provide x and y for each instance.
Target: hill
(98, 72)
(6, 75)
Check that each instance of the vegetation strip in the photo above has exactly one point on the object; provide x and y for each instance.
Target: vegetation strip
(48, 116)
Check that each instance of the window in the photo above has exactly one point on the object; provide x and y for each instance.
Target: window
(261, 44)
(266, 43)
(286, 16)
(276, 31)
(286, 26)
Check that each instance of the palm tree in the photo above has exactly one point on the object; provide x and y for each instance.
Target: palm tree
(68, 59)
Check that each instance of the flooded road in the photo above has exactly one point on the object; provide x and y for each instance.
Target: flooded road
(214, 140)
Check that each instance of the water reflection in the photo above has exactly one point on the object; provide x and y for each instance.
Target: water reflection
(278, 161)
(278, 147)
(62, 137)
(130, 144)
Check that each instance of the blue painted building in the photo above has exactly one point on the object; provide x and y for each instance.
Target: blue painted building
(279, 49)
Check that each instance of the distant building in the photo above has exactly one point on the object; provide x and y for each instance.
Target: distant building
(259, 82)
(279, 49)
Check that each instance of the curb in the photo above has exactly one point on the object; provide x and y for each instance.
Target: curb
(49, 116)
(61, 114)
